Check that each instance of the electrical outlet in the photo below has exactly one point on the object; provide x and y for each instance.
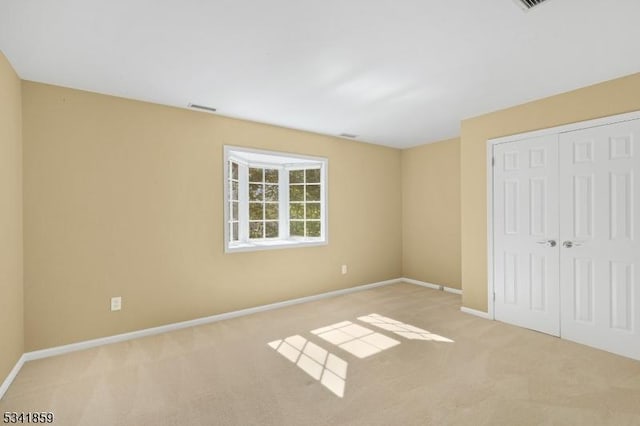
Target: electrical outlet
(116, 303)
(344, 269)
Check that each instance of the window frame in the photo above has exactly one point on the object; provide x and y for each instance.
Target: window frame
(250, 157)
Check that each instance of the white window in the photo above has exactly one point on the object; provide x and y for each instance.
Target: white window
(273, 199)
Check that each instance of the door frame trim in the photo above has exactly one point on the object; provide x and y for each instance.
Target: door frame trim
(491, 143)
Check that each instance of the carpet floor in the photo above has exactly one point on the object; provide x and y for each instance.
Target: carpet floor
(394, 355)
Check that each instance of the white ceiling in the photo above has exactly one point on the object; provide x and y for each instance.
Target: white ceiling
(394, 72)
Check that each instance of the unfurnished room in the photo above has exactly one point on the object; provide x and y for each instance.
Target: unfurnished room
(320, 213)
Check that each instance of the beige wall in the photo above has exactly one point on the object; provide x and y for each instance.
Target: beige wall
(124, 198)
(11, 301)
(431, 213)
(609, 98)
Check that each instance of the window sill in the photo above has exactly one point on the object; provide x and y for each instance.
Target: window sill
(272, 244)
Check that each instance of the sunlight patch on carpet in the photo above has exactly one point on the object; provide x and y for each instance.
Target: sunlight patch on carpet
(314, 360)
(401, 329)
(355, 339)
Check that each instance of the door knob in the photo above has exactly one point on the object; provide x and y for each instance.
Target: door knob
(569, 244)
(548, 243)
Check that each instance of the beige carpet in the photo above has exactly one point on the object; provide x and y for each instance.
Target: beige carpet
(226, 373)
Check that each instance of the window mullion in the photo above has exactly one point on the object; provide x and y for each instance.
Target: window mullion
(283, 209)
(243, 203)
(304, 204)
(323, 202)
(227, 198)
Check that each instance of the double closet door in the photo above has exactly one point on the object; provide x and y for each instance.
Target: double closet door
(565, 235)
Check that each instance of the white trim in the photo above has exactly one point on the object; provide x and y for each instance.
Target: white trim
(422, 283)
(557, 130)
(58, 350)
(272, 152)
(87, 344)
(274, 245)
(12, 375)
(243, 203)
(480, 314)
(283, 205)
(433, 286)
(490, 260)
(324, 202)
(564, 128)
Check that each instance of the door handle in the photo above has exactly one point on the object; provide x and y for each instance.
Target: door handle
(548, 243)
(569, 244)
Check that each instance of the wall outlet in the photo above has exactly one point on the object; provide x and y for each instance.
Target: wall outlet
(344, 269)
(116, 303)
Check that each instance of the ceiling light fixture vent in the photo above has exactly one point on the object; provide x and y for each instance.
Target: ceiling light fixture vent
(348, 135)
(529, 4)
(202, 107)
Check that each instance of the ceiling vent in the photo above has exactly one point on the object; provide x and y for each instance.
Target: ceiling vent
(348, 135)
(529, 4)
(202, 107)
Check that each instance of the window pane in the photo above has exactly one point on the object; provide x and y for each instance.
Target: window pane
(296, 211)
(296, 176)
(296, 193)
(255, 229)
(313, 176)
(313, 229)
(234, 190)
(271, 193)
(271, 230)
(271, 211)
(256, 192)
(234, 231)
(313, 192)
(313, 211)
(255, 174)
(296, 228)
(271, 175)
(234, 171)
(234, 210)
(255, 211)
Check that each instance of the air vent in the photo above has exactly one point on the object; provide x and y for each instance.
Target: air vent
(529, 4)
(348, 135)
(202, 107)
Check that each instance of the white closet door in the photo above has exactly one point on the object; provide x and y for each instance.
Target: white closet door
(599, 219)
(525, 208)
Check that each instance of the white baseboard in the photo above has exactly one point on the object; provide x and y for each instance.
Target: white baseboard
(433, 286)
(476, 313)
(422, 283)
(58, 350)
(12, 375)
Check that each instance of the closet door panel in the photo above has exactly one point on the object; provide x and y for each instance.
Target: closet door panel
(525, 209)
(599, 170)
